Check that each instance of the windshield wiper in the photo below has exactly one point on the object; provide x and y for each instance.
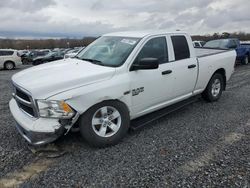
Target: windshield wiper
(94, 61)
(77, 57)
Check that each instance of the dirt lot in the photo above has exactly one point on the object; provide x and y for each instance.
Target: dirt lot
(201, 145)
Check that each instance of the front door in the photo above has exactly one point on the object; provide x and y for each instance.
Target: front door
(151, 88)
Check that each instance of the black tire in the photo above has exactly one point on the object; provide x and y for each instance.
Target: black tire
(245, 61)
(9, 65)
(208, 93)
(88, 133)
(25, 62)
(35, 63)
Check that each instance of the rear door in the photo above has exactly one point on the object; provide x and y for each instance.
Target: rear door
(185, 67)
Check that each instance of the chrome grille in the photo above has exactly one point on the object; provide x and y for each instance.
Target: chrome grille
(24, 101)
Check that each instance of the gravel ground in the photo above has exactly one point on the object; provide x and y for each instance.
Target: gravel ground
(201, 145)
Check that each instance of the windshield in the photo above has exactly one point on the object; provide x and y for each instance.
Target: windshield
(216, 44)
(109, 51)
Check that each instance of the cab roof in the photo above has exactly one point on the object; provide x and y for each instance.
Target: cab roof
(142, 34)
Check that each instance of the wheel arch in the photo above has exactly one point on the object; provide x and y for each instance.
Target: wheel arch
(105, 100)
(221, 71)
(9, 61)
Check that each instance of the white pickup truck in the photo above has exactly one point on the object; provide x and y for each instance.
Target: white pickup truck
(118, 78)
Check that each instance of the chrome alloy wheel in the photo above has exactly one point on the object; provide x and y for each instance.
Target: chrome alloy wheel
(106, 121)
(216, 87)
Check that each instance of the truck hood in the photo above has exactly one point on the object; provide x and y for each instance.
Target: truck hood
(50, 79)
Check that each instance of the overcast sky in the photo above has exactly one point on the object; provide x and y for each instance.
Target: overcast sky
(77, 18)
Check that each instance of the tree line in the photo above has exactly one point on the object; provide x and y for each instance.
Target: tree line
(21, 44)
(242, 36)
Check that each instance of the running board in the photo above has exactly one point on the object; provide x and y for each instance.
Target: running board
(148, 118)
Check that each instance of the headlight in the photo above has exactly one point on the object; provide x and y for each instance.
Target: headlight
(55, 109)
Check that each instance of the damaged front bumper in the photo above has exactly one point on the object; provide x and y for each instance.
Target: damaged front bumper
(38, 131)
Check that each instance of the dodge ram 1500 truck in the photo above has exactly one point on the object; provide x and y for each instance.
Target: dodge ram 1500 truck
(118, 78)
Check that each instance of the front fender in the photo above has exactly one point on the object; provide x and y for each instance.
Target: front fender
(82, 98)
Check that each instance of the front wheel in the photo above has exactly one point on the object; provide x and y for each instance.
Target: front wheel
(105, 124)
(214, 88)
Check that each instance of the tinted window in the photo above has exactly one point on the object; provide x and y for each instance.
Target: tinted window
(6, 53)
(41, 53)
(232, 44)
(154, 48)
(181, 48)
(196, 44)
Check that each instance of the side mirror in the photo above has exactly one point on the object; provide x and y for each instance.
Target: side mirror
(146, 64)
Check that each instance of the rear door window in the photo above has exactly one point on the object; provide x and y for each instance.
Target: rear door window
(181, 48)
(6, 53)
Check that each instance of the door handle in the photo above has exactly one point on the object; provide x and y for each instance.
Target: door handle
(191, 66)
(166, 72)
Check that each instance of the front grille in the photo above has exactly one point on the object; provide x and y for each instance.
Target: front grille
(27, 109)
(24, 101)
(22, 95)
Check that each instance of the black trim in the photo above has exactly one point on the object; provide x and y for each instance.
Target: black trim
(151, 117)
(166, 72)
(191, 66)
(127, 92)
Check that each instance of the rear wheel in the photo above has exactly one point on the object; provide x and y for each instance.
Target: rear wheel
(245, 60)
(105, 124)
(214, 88)
(9, 65)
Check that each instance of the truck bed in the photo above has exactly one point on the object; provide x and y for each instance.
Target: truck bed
(202, 52)
(245, 45)
(211, 60)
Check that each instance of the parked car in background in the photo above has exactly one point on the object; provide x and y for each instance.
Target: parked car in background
(243, 50)
(22, 52)
(52, 56)
(120, 77)
(73, 53)
(199, 44)
(28, 58)
(45, 51)
(9, 59)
